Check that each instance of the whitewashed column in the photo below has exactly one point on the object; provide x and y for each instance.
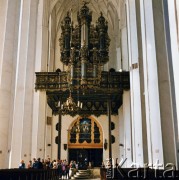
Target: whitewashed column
(18, 114)
(124, 38)
(127, 128)
(177, 19)
(3, 20)
(136, 115)
(118, 63)
(172, 39)
(151, 90)
(52, 41)
(9, 21)
(29, 85)
(39, 99)
(174, 48)
(66, 121)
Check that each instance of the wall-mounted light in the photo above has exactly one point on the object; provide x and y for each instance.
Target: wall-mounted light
(65, 146)
(105, 144)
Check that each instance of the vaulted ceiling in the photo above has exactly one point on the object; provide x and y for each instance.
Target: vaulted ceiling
(109, 8)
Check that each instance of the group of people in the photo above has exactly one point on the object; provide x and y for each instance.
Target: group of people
(65, 169)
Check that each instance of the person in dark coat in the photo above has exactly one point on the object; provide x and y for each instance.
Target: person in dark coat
(39, 164)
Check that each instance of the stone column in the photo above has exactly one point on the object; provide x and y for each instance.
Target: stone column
(127, 128)
(167, 41)
(136, 115)
(9, 20)
(18, 116)
(39, 99)
(124, 38)
(52, 41)
(22, 121)
(141, 69)
(173, 8)
(3, 16)
(151, 89)
(118, 63)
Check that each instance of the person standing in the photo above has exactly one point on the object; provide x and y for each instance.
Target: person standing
(22, 165)
(29, 165)
(39, 164)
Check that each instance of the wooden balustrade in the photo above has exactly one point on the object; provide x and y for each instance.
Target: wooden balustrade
(29, 174)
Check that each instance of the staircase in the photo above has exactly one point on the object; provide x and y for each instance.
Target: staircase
(82, 174)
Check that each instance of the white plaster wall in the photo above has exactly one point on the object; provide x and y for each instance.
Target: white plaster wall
(115, 133)
(103, 121)
(58, 63)
(125, 131)
(48, 134)
(39, 125)
(54, 133)
(113, 52)
(66, 122)
(124, 49)
(121, 134)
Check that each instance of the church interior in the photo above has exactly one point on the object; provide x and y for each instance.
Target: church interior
(89, 81)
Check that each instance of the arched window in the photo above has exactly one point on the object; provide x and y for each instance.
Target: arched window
(85, 133)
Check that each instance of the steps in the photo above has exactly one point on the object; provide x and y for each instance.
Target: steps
(82, 174)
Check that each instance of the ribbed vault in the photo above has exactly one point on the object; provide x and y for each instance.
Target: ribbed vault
(109, 8)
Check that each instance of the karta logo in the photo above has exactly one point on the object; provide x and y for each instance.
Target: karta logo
(168, 172)
(109, 165)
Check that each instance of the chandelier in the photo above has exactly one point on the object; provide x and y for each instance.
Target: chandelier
(84, 49)
(69, 105)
